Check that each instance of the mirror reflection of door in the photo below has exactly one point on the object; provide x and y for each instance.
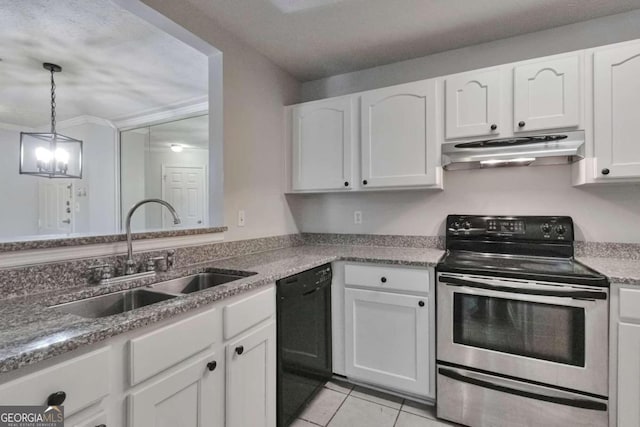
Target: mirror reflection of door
(55, 213)
(184, 188)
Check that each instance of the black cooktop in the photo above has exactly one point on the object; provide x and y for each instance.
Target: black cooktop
(519, 247)
(551, 269)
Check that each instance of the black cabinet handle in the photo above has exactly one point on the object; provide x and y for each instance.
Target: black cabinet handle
(240, 349)
(383, 279)
(212, 365)
(364, 182)
(494, 126)
(101, 425)
(57, 398)
(421, 303)
(605, 171)
(521, 124)
(346, 183)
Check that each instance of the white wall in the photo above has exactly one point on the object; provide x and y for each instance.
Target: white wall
(596, 32)
(18, 193)
(607, 213)
(133, 149)
(255, 90)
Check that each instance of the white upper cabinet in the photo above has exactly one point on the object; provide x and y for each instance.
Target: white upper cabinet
(398, 136)
(322, 145)
(547, 95)
(616, 112)
(472, 104)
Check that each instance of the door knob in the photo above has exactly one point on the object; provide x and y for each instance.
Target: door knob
(240, 349)
(212, 365)
(57, 398)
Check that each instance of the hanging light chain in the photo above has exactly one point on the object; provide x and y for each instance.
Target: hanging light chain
(53, 103)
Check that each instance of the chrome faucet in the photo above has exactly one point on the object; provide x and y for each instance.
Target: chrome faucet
(130, 267)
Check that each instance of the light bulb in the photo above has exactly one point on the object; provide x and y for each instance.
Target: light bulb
(177, 148)
(43, 155)
(62, 156)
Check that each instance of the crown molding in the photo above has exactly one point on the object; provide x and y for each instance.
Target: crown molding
(168, 113)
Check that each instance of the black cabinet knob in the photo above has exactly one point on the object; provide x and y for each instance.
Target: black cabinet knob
(494, 126)
(240, 349)
(57, 398)
(383, 279)
(346, 183)
(212, 365)
(421, 303)
(101, 425)
(605, 171)
(364, 182)
(521, 124)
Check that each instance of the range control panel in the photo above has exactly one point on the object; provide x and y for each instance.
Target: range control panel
(530, 228)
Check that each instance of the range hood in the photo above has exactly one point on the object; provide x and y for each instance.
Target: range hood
(557, 148)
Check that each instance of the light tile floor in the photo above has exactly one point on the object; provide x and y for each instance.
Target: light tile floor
(340, 404)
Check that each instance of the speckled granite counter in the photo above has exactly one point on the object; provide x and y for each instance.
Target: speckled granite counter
(32, 332)
(624, 271)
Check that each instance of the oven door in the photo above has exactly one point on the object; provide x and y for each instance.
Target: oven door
(556, 334)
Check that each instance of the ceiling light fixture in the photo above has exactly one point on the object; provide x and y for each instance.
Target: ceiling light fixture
(177, 148)
(50, 155)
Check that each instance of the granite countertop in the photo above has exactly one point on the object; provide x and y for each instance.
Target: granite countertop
(33, 332)
(618, 270)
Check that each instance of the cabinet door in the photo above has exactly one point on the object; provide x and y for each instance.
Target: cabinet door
(322, 145)
(616, 113)
(399, 147)
(628, 375)
(547, 95)
(472, 104)
(251, 379)
(387, 340)
(190, 397)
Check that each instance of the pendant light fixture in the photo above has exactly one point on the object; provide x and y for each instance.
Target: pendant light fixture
(50, 155)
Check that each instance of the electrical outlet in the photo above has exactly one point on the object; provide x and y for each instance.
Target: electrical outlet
(357, 217)
(241, 218)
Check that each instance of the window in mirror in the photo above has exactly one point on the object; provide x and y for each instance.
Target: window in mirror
(167, 161)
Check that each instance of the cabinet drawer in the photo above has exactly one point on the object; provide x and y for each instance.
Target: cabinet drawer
(388, 278)
(630, 304)
(85, 380)
(242, 315)
(156, 351)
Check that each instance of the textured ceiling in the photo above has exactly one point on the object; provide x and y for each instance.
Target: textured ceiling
(191, 133)
(114, 64)
(318, 38)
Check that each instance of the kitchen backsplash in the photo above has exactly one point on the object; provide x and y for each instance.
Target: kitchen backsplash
(20, 281)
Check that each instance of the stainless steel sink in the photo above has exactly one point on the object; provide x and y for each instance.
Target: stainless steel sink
(110, 304)
(198, 282)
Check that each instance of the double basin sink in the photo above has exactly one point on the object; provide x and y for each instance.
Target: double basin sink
(121, 302)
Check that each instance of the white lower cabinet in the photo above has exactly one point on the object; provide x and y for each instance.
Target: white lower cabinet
(251, 379)
(170, 374)
(188, 397)
(387, 340)
(628, 375)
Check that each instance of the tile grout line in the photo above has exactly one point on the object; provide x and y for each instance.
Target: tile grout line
(339, 407)
(395, 423)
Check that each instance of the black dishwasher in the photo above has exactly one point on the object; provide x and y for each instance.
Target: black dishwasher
(304, 339)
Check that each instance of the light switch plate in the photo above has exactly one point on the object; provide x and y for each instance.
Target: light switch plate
(357, 217)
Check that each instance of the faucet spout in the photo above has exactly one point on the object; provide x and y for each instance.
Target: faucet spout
(130, 267)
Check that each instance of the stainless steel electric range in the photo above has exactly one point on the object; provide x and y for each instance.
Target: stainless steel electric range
(522, 326)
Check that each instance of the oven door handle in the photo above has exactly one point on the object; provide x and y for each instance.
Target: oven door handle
(576, 403)
(592, 295)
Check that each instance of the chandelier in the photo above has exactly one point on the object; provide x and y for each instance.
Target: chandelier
(50, 155)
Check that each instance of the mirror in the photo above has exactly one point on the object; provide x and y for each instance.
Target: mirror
(128, 91)
(167, 161)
